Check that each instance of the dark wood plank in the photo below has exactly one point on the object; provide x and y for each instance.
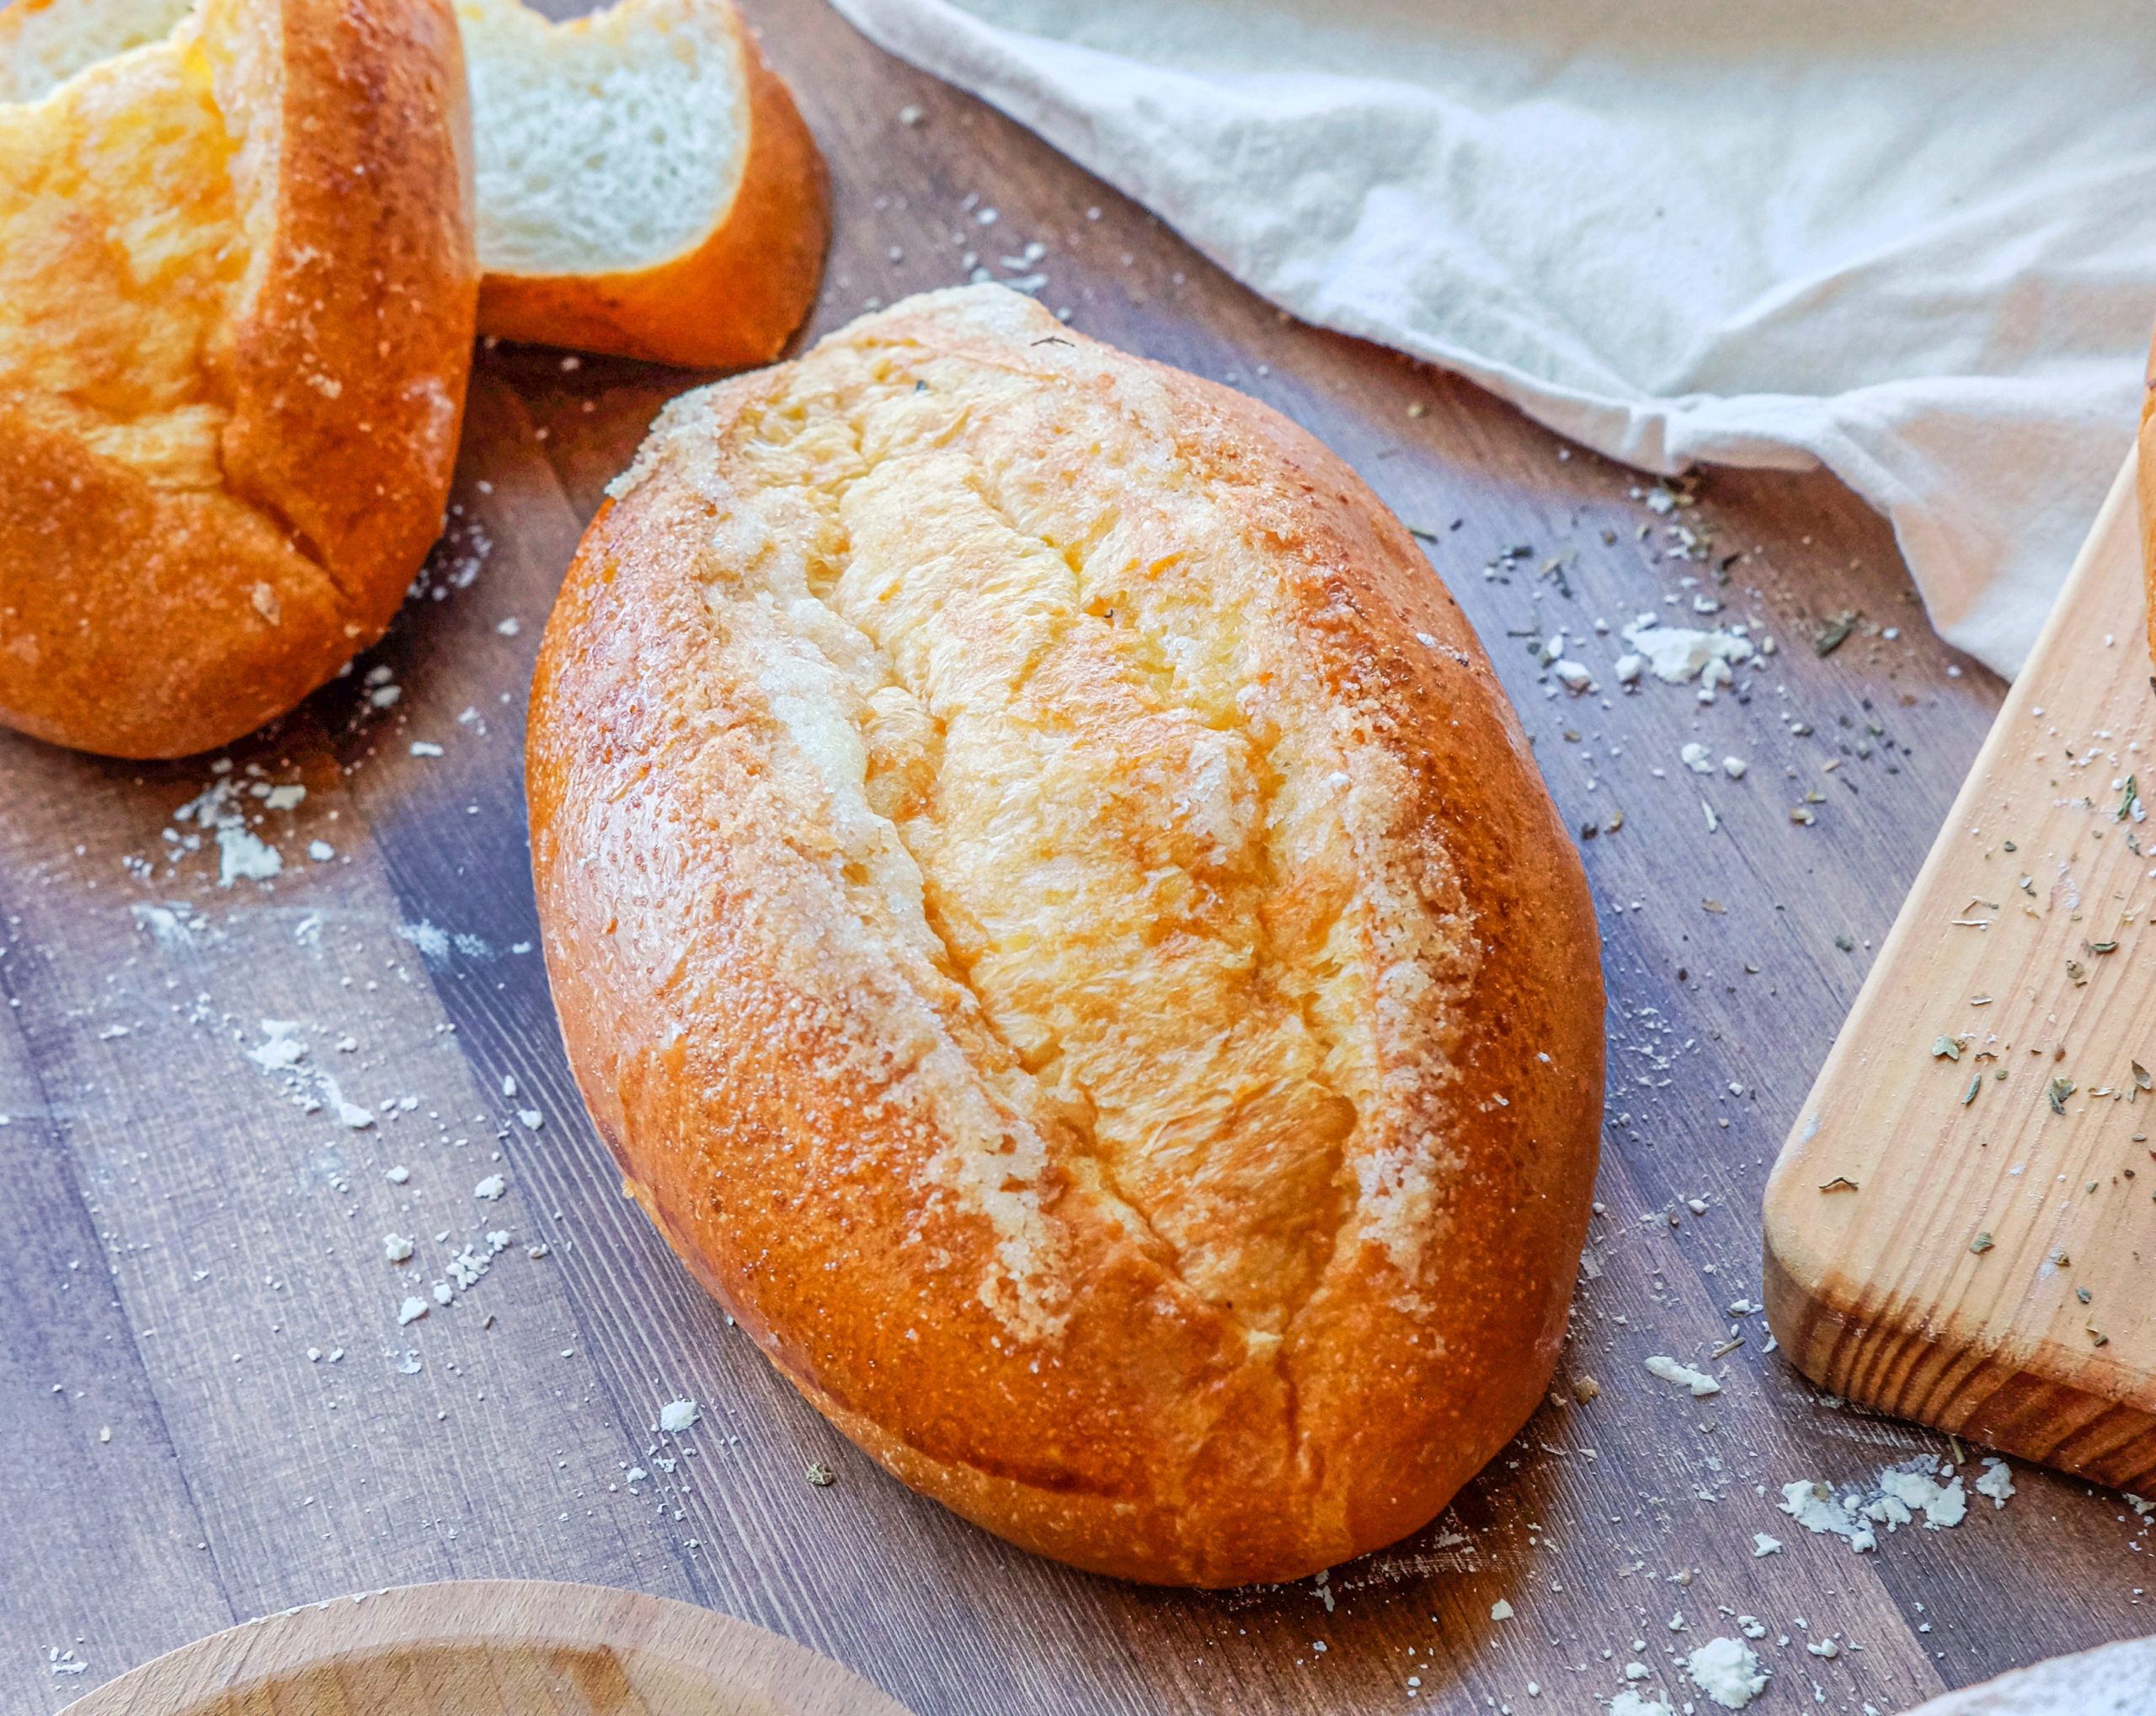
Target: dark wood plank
(151, 1156)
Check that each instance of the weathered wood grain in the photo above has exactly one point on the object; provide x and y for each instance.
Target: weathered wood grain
(1960, 1228)
(151, 1156)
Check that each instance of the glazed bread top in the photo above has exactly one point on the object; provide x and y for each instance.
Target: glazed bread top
(1055, 731)
(1056, 920)
(122, 341)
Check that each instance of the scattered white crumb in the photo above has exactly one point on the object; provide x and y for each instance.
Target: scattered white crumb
(1632, 1703)
(509, 627)
(281, 1046)
(321, 851)
(1728, 1672)
(1899, 1494)
(411, 1311)
(491, 1187)
(531, 1117)
(1762, 1544)
(425, 747)
(395, 1247)
(396, 1175)
(1997, 1482)
(1734, 767)
(1501, 1610)
(242, 856)
(509, 1085)
(1675, 654)
(285, 798)
(1824, 1648)
(678, 1415)
(443, 1294)
(1670, 1370)
(1571, 674)
(1698, 759)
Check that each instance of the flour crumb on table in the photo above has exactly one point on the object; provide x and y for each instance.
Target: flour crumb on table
(1697, 1382)
(1897, 1495)
(678, 1415)
(1728, 1672)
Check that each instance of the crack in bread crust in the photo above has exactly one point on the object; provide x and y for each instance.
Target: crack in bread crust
(119, 341)
(1047, 726)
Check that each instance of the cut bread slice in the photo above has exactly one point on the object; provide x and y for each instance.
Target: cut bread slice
(237, 298)
(646, 184)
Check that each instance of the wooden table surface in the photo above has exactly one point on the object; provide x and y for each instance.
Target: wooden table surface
(209, 1409)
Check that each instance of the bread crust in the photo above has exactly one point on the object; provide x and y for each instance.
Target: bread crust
(781, 1100)
(146, 621)
(732, 300)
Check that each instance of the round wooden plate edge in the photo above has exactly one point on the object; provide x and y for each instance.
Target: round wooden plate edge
(792, 1679)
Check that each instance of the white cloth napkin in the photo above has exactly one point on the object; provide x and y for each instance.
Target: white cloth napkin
(1914, 242)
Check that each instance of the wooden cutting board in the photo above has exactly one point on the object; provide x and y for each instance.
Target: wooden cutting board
(491, 1647)
(1961, 1227)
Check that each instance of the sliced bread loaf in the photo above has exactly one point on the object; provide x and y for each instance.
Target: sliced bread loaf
(646, 186)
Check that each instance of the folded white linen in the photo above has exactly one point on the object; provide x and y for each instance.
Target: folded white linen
(1913, 243)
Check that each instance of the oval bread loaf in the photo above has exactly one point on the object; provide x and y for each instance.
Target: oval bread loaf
(1050, 909)
(237, 298)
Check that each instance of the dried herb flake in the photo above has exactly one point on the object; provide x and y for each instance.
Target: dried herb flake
(1834, 633)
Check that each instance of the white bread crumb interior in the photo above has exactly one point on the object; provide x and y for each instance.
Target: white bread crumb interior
(607, 144)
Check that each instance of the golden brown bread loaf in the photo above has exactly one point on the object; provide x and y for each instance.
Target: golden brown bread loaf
(237, 300)
(1050, 909)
